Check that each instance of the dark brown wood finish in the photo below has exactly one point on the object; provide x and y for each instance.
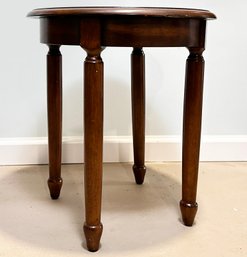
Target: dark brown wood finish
(94, 28)
(191, 133)
(54, 104)
(93, 131)
(123, 11)
(138, 112)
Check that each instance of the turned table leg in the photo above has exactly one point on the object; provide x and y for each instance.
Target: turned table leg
(191, 133)
(54, 104)
(93, 140)
(138, 112)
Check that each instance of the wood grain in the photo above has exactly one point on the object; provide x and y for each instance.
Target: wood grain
(94, 28)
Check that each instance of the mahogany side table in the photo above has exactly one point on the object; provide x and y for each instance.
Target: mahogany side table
(94, 28)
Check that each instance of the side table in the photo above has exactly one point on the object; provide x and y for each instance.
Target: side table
(94, 28)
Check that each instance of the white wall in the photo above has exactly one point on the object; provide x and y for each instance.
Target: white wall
(23, 78)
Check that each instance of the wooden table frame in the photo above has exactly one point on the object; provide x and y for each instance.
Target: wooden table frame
(94, 29)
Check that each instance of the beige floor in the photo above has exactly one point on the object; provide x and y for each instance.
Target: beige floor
(138, 220)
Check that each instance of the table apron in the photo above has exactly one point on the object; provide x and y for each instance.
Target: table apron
(130, 32)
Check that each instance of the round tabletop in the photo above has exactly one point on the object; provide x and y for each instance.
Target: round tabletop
(121, 11)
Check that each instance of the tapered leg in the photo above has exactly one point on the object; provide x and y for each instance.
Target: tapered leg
(93, 138)
(138, 112)
(191, 133)
(54, 102)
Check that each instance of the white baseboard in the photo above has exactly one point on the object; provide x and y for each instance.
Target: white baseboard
(23, 151)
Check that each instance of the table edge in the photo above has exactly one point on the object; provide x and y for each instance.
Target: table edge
(122, 11)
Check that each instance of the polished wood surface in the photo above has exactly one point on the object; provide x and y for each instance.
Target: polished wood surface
(94, 28)
(54, 105)
(138, 112)
(93, 132)
(125, 11)
(193, 94)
